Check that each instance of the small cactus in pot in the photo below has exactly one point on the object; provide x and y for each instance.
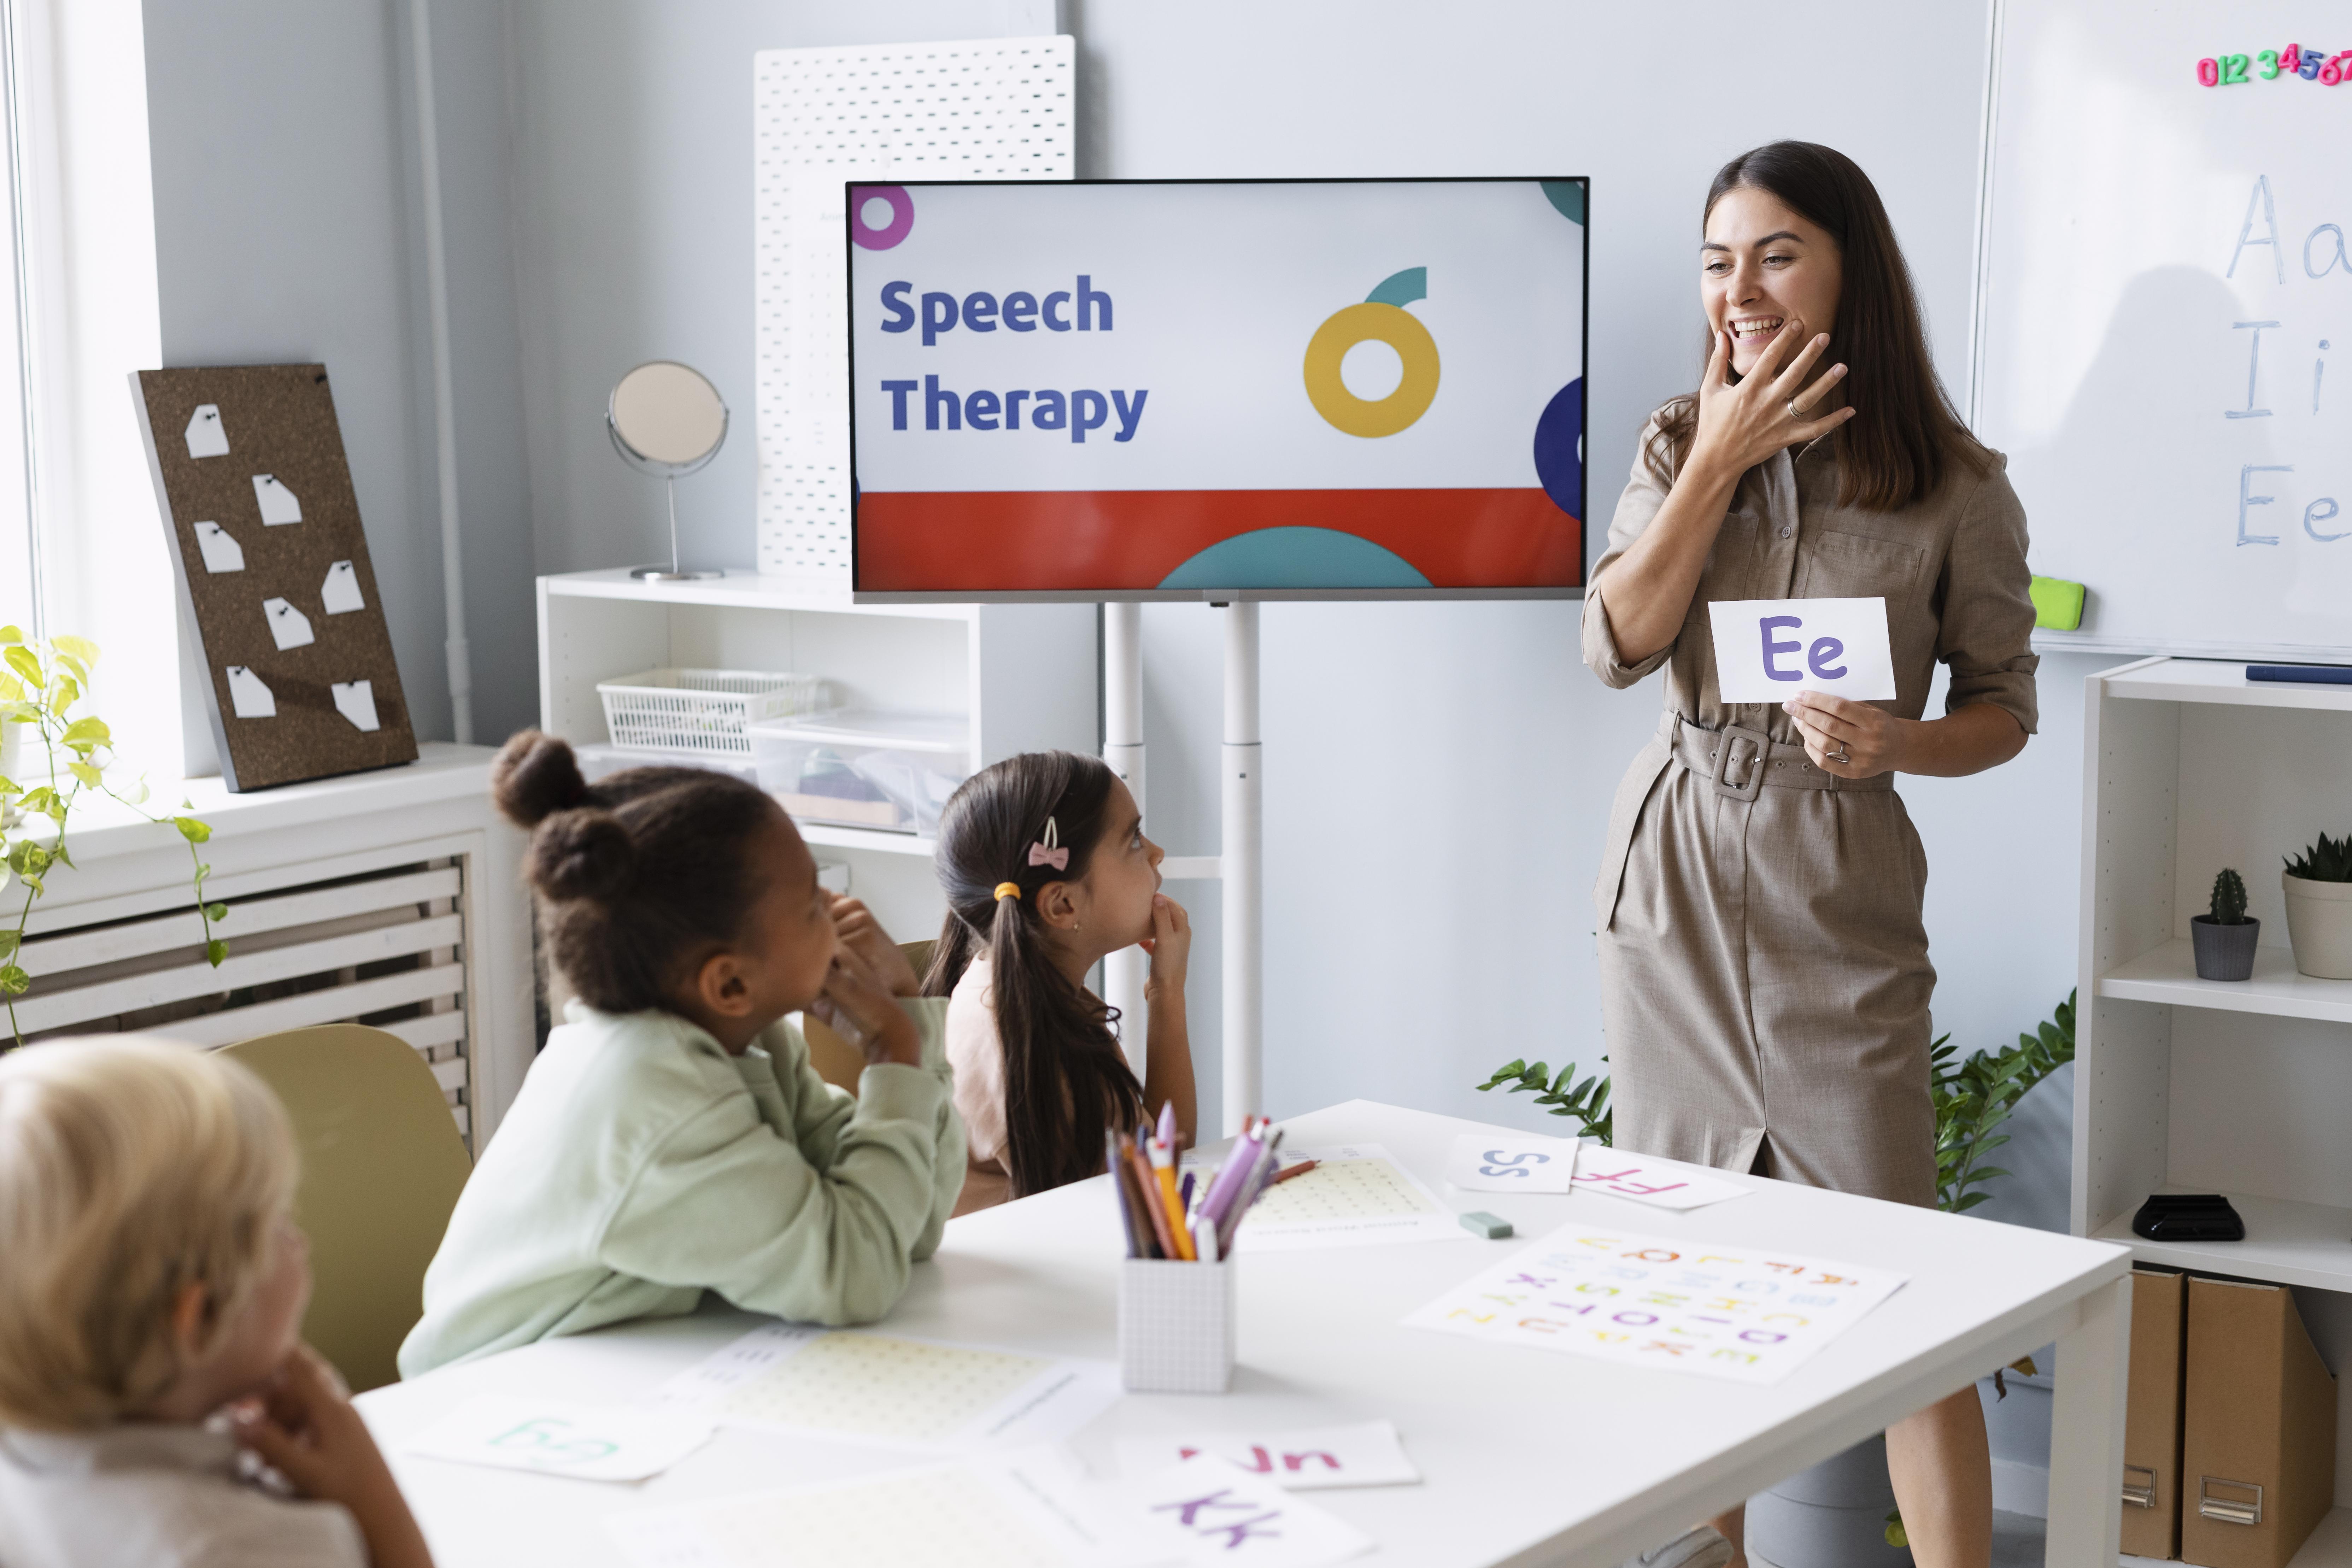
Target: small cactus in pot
(2223, 937)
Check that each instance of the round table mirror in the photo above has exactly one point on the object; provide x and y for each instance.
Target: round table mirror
(666, 419)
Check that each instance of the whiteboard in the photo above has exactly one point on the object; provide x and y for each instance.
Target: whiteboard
(2164, 321)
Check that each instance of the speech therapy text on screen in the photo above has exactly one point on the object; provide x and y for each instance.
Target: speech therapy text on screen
(1083, 309)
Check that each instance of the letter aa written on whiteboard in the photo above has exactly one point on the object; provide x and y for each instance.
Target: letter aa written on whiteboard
(289, 627)
(278, 504)
(221, 553)
(1767, 650)
(248, 698)
(207, 437)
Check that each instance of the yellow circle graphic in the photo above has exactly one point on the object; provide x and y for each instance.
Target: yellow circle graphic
(1361, 323)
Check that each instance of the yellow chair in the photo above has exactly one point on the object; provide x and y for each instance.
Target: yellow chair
(835, 1059)
(383, 1164)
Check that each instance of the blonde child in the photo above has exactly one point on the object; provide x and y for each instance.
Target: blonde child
(1046, 872)
(152, 1277)
(672, 1138)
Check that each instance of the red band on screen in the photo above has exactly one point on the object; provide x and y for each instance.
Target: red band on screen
(982, 542)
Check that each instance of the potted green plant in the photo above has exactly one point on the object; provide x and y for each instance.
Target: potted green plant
(2318, 884)
(2223, 937)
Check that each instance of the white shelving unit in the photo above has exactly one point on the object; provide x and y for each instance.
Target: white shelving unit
(2190, 1085)
(1021, 676)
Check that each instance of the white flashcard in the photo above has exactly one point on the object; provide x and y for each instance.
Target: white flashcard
(355, 701)
(557, 1437)
(1511, 1162)
(1767, 650)
(1657, 1182)
(221, 553)
(342, 589)
(207, 437)
(1204, 1511)
(289, 627)
(1365, 1454)
(278, 504)
(247, 697)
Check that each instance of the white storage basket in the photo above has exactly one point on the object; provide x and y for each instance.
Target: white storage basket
(702, 710)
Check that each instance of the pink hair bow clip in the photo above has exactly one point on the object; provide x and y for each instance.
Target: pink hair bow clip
(1050, 850)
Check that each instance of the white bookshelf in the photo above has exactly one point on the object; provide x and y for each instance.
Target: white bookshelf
(2190, 1085)
(1023, 676)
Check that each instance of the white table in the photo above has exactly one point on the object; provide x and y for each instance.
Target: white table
(1527, 1457)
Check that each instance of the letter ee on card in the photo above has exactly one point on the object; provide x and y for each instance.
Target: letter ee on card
(1511, 1162)
(1767, 650)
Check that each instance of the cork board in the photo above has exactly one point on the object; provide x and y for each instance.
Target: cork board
(273, 569)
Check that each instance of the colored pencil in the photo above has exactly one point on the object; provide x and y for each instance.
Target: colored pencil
(1287, 1171)
(1158, 1212)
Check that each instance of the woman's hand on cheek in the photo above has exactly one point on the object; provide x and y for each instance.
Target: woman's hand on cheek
(1169, 945)
(862, 1011)
(1869, 738)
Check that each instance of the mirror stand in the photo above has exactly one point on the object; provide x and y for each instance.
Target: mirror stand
(672, 573)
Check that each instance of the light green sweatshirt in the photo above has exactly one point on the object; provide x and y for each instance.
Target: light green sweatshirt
(642, 1165)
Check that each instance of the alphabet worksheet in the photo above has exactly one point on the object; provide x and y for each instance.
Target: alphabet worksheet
(1739, 1312)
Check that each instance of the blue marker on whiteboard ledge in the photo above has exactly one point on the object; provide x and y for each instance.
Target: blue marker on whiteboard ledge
(2325, 674)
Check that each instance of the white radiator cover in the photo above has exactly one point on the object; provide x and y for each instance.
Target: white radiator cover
(389, 898)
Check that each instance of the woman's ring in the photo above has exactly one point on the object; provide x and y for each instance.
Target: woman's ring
(1793, 410)
(1840, 754)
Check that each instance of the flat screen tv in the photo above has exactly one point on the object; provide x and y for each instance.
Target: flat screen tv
(1179, 389)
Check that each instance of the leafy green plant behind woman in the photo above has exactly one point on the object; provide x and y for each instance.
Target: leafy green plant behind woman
(42, 682)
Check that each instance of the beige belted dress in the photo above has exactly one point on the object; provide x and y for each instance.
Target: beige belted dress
(1763, 961)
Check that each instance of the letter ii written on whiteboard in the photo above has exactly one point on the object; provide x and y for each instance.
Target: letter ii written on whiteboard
(1767, 650)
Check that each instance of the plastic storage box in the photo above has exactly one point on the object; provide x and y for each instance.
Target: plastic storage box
(701, 710)
(1175, 1326)
(863, 769)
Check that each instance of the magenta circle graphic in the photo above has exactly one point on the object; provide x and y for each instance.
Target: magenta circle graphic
(902, 216)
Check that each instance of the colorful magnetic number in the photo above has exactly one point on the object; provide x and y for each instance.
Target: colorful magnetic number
(2311, 65)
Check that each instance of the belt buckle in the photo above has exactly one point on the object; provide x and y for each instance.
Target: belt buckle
(1761, 745)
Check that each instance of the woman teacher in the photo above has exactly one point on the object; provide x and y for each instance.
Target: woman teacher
(1764, 966)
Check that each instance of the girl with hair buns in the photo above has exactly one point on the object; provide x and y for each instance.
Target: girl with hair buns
(1047, 872)
(672, 1138)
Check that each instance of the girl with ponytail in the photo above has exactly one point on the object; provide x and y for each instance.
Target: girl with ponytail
(1047, 872)
(672, 1138)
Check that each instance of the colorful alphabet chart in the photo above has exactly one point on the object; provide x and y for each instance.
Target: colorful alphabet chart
(885, 1388)
(1365, 1454)
(1034, 1510)
(1667, 1301)
(557, 1437)
(1657, 1182)
(1356, 1194)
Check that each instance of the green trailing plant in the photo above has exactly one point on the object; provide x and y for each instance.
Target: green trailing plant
(1586, 1103)
(2329, 861)
(2230, 898)
(43, 682)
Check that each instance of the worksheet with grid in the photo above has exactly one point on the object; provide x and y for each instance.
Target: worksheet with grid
(889, 1389)
(1029, 1512)
(1356, 1194)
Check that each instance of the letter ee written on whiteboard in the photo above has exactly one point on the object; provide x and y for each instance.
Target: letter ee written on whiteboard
(1767, 650)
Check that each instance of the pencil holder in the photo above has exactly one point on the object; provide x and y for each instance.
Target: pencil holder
(1175, 1326)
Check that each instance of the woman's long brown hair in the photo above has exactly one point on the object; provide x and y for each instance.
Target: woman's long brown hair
(1065, 1080)
(1893, 452)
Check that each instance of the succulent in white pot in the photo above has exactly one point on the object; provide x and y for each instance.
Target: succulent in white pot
(2318, 884)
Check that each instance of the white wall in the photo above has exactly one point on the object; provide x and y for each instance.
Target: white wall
(1438, 777)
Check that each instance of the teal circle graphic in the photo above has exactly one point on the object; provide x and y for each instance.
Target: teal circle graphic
(1296, 558)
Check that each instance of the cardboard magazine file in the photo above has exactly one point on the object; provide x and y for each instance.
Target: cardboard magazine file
(2258, 1433)
(2152, 1415)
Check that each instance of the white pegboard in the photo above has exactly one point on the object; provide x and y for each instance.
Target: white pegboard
(984, 108)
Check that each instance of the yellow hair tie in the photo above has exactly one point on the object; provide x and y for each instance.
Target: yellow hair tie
(1008, 889)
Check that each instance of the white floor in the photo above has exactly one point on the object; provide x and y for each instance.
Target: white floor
(2016, 1543)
